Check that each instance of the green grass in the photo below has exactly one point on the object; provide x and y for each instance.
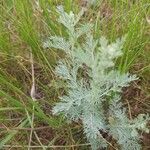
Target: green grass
(24, 25)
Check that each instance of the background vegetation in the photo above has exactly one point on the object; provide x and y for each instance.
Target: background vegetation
(24, 25)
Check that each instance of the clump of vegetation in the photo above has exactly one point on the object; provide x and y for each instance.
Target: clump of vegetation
(94, 85)
(29, 87)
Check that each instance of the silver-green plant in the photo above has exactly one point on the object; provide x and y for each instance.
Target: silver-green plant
(94, 85)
